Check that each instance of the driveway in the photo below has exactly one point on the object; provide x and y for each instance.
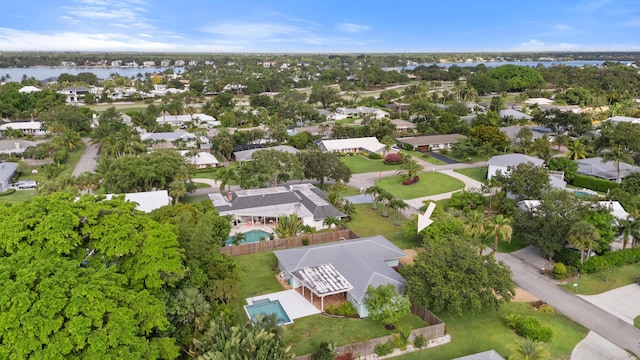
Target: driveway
(623, 302)
(610, 327)
(88, 159)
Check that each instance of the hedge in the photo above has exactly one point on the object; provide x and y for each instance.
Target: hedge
(612, 260)
(374, 156)
(530, 328)
(594, 183)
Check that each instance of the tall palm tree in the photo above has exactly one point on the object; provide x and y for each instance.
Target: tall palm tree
(475, 227)
(348, 208)
(630, 231)
(561, 140)
(577, 150)
(410, 167)
(384, 198)
(225, 175)
(527, 349)
(177, 189)
(542, 148)
(617, 154)
(583, 235)
(396, 205)
(330, 221)
(500, 226)
(374, 191)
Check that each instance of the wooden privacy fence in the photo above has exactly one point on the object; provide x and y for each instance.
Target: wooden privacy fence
(435, 330)
(276, 244)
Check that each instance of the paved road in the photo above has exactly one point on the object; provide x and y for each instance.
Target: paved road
(579, 310)
(88, 158)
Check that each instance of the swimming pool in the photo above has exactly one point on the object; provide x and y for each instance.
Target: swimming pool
(251, 237)
(582, 193)
(267, 307)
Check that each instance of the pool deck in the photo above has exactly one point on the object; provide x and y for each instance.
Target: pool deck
(244, 227)
(293, 303)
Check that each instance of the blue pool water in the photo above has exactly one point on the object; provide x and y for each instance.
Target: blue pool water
(251, 237)
(266, 306)
(582, 193)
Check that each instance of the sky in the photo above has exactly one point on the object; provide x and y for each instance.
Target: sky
(328, 26)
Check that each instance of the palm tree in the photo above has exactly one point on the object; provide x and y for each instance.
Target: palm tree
(561, 140)
(348, 209)
(542, 148)
(577, 150)
(330, 221)
(384, 198)
(373, 191)
(225, 175)
(617, 154)
(475, 226)
(177, 189)
(410, 167)
(501, 229)
(289, 226)
(527, 349)
(630, 231)
(397, 205)
(238, 238)
(583, 235)
(388, 142)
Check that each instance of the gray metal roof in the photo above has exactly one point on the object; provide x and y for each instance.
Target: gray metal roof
(486, 355)
(323, 280)
(518, 115)
(7, 169)
(514, 160)
(303, 199)
(606, 170)
(360, 261)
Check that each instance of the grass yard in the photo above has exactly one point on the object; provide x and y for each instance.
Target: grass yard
(19, 196)
(423, 156)
(200, 185)
(472, 334)
(360, 164)
(306, 334)
(135, 106)
(257, 277)
(516, 243)
(474, 158)
(429, 184)
(478, 174)
(190, 199)
(368, 222)
(591, 284)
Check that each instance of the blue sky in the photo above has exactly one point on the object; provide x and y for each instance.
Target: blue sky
(320, 26)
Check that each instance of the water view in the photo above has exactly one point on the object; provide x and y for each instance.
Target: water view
(42, 73)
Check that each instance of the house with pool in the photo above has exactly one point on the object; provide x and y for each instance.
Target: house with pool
(342, 271)
(260, 208)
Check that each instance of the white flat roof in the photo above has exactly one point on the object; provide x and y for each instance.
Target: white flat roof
(322, 280)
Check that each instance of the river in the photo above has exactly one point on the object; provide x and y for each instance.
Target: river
(46, 72)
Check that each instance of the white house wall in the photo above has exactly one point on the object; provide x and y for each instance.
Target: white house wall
(493, 170)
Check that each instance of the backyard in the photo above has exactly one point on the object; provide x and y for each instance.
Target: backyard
(368, 222)
(430, 184)
(360, 164)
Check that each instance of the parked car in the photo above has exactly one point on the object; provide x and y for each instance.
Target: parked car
(25, 184)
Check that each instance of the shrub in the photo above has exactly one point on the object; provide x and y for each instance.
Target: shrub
(413, 180)
(345, 356)
(568, 166)
(547, 309)
(530, 328)
(571, 271)
(568, 257)
(559, 271)
(393, 159)
(467, 200)
(419, 341)
(345, 309)
(305, 241)
(60, 156)
(324, 351)
(612, 260)
(385, 348)
(444, 151)
(593, 183)
(374, 156)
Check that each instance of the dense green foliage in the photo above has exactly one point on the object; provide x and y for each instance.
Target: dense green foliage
(612, 260)
(384, 304)
(594, 183)
(530, 328)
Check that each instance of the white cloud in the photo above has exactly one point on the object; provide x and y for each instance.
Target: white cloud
(352, 28)
(562, 27)
(249, 30)
(105, 12)
(537, 45)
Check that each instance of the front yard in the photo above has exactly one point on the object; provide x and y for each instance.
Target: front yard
(430, 184)
(591, 284)
(359, 164)
(478, 173)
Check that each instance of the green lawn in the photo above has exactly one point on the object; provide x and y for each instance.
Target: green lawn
(423, 156)
(200, 185)
(591, 284)
(136, 106)
(636, 322)
(359, 164)
(368, 222)
(19, 196)
(516, 243)
(429, 184)
(474, 158)
(478, 174)
(306, 334)
(472, 334)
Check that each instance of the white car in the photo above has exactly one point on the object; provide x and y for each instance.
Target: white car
(25, 184)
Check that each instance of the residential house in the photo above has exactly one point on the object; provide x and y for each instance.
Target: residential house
(180, 120)
(75, 94)
(366, 145)
(7, 170)
(16, 146)
(28, 89)
(485, 355)
(404, 125)
(247, 155)
(614, 207)
(170, 140)
(27, 127)
(504, 163)
(146, 201)
(515, 115)
(605, 169)
(431, 142)
(564, 108)
(512, 131)
(266, 205)
(331, 115)
(538, 101)
(621, 119)
(201, 160)
(362, 111)
(345, 268)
